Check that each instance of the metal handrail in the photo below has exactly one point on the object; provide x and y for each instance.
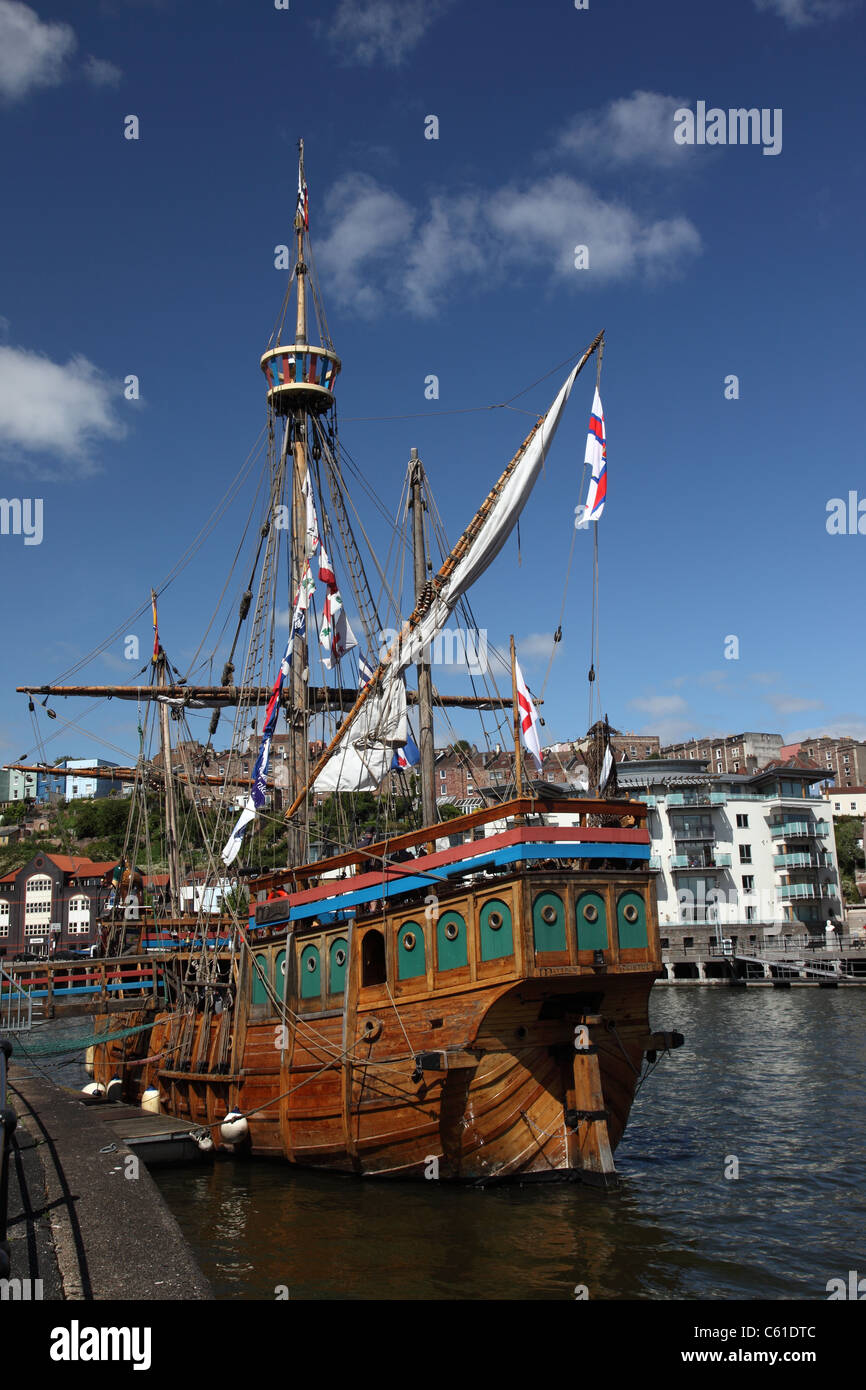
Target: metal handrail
(16, 1005)
(8, 1121)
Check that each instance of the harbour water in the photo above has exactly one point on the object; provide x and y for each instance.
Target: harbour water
(769, 1084)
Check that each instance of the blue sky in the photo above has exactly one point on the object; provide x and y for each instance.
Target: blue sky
(452, 257)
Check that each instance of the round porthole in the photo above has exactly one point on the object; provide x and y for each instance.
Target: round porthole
(340, 957)
(409, 941)
(312, 963)
(590, 912)
(548, 913)
(630, 913)
(452, 931)
(494, 921)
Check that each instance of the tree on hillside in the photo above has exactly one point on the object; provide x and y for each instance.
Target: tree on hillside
(849, 850)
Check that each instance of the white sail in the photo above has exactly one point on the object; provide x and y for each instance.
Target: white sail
(494, 532)
(360, 763)
(366, 748)
(353, 768)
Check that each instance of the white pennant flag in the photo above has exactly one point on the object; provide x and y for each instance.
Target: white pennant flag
(606, 769)
(312, 519)
(528, 716)
(335, 635)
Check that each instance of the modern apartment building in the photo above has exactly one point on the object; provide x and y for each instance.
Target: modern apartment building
(738, 856)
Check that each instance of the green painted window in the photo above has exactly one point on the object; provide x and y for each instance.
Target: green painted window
(548, 923)
(311, 973)
(260, 977)
(410, 952)
(280, 975)
(591, 916)
(338, 964)
(631, 921)
(497, 938)
(451, 941)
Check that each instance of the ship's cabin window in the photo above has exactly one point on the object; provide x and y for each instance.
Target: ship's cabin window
(373, 959)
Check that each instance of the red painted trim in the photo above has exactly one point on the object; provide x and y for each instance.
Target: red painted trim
(543, 834)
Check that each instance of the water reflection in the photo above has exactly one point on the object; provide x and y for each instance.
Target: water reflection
(770, 1078)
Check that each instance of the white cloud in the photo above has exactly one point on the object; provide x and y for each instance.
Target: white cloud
(536, 647)
(799, 14)
(386, 30)
(51, 409)
(553, 215)
(671, 730)
(32, 53)
(370, 226)
(100, 72)
(628, 130)
(451, 235)
(380, 248)
(658, 706)
(845, 726)
(791, 704)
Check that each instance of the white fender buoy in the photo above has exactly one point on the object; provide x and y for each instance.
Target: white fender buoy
(205, 1144)
(234, 1127)
(93, 1088)
(150, 1101)
(88, 1060)
(114, 1089)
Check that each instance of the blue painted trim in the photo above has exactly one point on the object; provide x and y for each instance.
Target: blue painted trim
(571, 849)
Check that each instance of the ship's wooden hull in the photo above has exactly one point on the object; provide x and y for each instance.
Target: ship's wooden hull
(519, 1067)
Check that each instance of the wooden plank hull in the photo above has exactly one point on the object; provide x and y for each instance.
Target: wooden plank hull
(520, 1066)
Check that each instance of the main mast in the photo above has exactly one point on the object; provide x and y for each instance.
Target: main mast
(300, 377)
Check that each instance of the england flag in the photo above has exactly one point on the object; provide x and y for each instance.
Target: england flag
(528, 715)
(596, 459)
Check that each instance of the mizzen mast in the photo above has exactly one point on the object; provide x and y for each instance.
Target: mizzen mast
(159, 662)
(423, 576)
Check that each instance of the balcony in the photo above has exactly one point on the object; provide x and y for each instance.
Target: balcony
(696, 798)
(799, 830)
(655, 861)
(802, 861)
(706, 860)
(806, 890)
(681, 833)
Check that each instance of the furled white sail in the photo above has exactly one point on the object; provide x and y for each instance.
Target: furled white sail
(354, 768)
(364, 754)
(360, 762)
(494, 532)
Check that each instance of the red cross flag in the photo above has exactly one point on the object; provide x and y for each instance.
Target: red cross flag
(528, 716)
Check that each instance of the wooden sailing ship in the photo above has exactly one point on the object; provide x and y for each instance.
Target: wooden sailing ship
(466, 1000)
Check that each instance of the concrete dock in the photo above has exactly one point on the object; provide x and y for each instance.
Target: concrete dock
(85, 1216)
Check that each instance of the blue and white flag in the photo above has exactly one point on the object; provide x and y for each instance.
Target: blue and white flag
(407, 756)
(258, 794)
(366, 671)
